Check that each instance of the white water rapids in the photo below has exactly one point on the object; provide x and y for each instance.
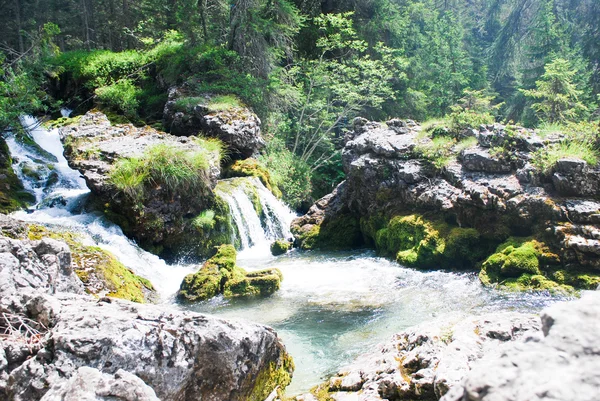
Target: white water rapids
(331, 306)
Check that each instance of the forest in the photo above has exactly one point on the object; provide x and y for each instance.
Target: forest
(308, 67)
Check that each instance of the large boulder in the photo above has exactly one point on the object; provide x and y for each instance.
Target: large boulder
(223, 117)
(560, 363)
(180, 355)
(160, 216)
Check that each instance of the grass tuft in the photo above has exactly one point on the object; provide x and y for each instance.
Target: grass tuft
(545, 159)
(162, 167)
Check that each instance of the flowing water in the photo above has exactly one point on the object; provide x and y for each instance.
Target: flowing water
(331, 306)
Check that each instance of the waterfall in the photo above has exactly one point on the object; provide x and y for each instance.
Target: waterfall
(260, 218)
(61, 194)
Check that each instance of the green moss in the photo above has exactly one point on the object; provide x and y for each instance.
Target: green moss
(274, 375)
(99, 270)
(253, 168)
(220, 275)
(12, 194)
(417, 241)
(61, 122)
(341, 232)
(279, 247)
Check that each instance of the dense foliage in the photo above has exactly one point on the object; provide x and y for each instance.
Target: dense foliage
(308, 67)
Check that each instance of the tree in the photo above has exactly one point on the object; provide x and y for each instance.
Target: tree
(329, 90)
(556, 95)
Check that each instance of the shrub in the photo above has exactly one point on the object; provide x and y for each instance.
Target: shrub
(289, 173)
(464, 119)
(120, 96)
(173, 170)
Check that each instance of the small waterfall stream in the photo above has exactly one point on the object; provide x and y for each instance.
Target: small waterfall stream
(331, 306)
(260, 218)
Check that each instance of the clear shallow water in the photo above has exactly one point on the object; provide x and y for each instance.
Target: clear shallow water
(335, 306)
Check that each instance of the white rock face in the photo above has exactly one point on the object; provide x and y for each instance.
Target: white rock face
(88, 384)
(563, 364)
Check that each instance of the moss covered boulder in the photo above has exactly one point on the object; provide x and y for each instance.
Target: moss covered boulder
(528, 264)
(280, 247)
(418, 241)
(221, 275)
(99, 270)
(253, 168)
(12, 194)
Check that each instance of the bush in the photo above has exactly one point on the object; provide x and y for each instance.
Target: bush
(464, 119)
(121, 97)
(174, 170)
(290, 174)
(438, 151)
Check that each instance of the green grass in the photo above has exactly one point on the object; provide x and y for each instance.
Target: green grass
(224, 102)
(545, 159)
(205, 220)
(187, 103)
(466, 143)
(214, 147)
(545, 129)
(438, 151)
(162, 167)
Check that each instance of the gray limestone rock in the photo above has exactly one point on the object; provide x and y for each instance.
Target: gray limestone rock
(562, 365)
(89, 384)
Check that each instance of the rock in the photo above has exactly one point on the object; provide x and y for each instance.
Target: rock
(480, 160)
(180, 355)
(561, 365)
(280, 247)
(426, 361)
(573, 177)
(471, 189)
(160, 218)
(12, 193)
(77, 347)
(236, 125)
(89, 384)
(220, 275)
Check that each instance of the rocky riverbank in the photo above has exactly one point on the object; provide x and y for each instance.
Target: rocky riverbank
(56, 341)
(480, 202)
(499, 357)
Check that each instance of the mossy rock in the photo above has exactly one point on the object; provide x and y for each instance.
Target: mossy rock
(276, 375)
(525, 263)
(338, 233)
(221, 275)
(12, 193)
(99, 270)
(253, 168)
(417, 241)
(280, 247)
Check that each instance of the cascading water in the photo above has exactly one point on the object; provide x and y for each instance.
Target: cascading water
(330, 307)
(60, 197)
(260, 218)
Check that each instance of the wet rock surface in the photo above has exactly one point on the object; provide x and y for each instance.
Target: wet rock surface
(237, 126)
(61, 345)
(500, 357)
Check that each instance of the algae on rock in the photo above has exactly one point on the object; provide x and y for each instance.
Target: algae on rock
(280, 247)
(221, 275)
(100, 271)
